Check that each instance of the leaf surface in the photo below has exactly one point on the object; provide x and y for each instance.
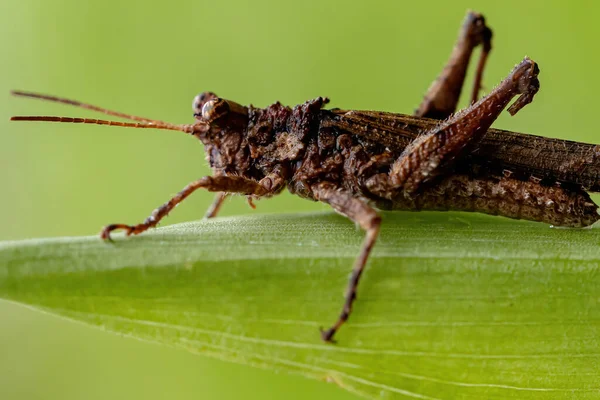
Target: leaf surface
(452, 305)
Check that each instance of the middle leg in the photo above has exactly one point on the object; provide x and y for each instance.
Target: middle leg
(368, 219)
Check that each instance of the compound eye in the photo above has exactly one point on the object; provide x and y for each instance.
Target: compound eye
(200, 100)
(214, 109)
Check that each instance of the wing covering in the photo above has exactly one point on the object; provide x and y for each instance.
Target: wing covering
(500, 152)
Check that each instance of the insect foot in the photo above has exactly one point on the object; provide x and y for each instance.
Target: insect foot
(105, 233)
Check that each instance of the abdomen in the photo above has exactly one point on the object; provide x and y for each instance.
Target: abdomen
(507, 197)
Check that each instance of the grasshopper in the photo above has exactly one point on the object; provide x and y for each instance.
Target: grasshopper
(359, 162)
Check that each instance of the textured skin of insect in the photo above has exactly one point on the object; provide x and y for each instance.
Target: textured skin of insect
(361, 161)
(293, 142)
(316, 159)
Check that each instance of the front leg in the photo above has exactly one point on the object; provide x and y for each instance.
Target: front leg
(226, 184)
(214, 208)
(273, 182)
(361, 213)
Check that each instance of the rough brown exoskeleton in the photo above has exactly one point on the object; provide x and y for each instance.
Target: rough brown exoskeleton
(360, 161)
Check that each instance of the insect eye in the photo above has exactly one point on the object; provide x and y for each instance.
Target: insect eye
(200, 101)
(214, 109)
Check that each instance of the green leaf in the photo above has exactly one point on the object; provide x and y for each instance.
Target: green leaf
(452, 305)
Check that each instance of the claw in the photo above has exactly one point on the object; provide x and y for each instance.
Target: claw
(327, 335)
(105, 233)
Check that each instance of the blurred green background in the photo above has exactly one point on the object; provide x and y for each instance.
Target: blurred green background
(151, 58)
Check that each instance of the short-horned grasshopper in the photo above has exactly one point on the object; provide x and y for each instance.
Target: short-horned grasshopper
(361, 161)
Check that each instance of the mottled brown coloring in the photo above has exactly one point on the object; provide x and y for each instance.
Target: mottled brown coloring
(361, 161)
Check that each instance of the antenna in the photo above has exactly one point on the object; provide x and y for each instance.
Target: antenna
(199, 126)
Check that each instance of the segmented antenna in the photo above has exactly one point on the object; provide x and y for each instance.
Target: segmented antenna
(143, 122)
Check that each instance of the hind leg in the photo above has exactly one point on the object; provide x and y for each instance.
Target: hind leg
(442, 96)
(433, 153)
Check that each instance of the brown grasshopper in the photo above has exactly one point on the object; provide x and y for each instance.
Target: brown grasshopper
(360, 161)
